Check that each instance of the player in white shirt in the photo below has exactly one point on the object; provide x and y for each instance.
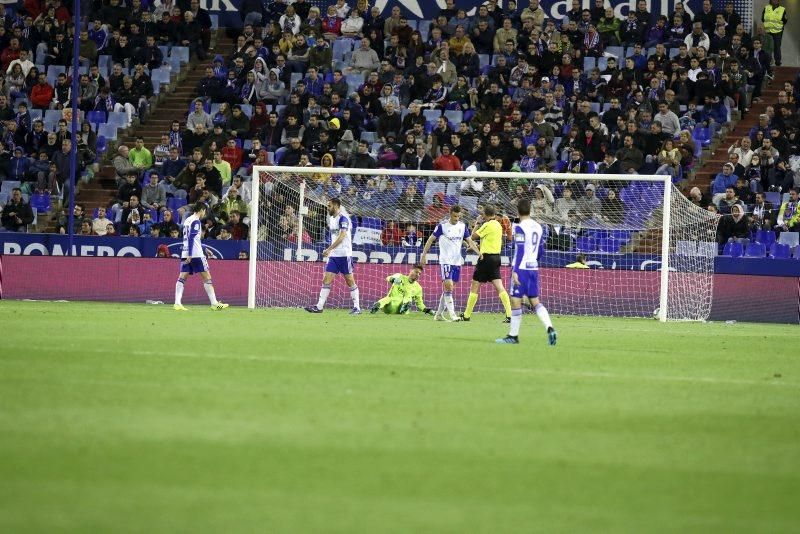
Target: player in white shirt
(451, 234)
(193, 259)
(340, 257)
(529, 238)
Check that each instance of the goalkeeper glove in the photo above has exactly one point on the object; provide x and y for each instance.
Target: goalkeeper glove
(403, 308)
(427, 311)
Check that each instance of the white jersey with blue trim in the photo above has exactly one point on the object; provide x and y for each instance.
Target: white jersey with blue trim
(337, 223)
(191, 238)
(529, 238)
(450, 237)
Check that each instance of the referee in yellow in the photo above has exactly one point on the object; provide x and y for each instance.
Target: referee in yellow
(490, 234)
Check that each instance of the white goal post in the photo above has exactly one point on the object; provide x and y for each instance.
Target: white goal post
(651, 250)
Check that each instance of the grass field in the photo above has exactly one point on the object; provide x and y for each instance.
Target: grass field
(134, 418)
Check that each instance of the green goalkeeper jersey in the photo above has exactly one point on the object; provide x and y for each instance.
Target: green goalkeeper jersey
(405, 290)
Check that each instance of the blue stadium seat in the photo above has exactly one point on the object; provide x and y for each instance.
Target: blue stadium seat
(369, 137)
(602, 63)
(609, 246)
(340, 47)
(773, 197)
(617, 51)
(214, 22)
(180, 52)
(755, 250)
(55, 70)
(733, 249)
(107, 131)
(174, 203)
(484, 59)
(36, 114)
(588, 63)
(424, 28)
(97, 117)
(767, 237)
(586, 244)
(101, 145)
(432, 115)
(247, 109)
(118, 119)
(779, 251)
(8, 185)
(454, 116)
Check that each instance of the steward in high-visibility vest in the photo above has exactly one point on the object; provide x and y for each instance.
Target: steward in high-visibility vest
(774, 19)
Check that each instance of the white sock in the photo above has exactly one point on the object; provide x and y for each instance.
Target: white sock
(209, 287)
(323, 295)
(448, 302)
(178, 291)
(440, 309)
(516, 321)
(354, 296)
(541, 313)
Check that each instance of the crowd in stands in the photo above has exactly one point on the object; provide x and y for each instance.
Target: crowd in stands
(508, 89)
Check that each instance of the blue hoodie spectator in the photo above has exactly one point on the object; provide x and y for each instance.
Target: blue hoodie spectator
(724, 180)
(18, 165)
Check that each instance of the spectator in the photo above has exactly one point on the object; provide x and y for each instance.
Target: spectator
(198, 117)
(446, 160)
(763, 214)
(789, 214)
(630, 157)
(391, 235)
(154, 196)
(238, 229)
(361, 159)
(17, 214)
(42, 93)
(101, 222)
(733, 226)
(722, 181)
(77, 217)
(364, 59)
(139, 156)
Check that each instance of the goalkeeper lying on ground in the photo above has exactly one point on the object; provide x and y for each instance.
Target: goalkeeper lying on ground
(404, 290)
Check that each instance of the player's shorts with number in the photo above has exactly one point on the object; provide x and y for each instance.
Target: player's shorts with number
(528, 284)
(339, 265)
(195, 266)
(450, 272)
(487, 269)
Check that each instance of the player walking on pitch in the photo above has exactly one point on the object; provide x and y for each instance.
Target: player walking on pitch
(405, 290)
(529, 241)
(193, 260)
(488, 268)
(340, 257)
(451, 233)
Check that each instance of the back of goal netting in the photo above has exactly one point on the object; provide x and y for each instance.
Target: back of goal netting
(609, 237)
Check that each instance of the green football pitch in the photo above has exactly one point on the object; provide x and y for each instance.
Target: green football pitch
(136, 418)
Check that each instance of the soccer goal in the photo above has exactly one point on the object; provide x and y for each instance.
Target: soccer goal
(618, 245)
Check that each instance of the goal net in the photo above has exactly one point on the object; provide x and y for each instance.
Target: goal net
(618, 245)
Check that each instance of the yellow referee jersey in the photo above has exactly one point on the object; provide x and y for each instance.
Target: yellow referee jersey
(491, 234)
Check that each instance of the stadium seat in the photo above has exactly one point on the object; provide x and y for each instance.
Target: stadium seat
(214, 22)
(780, 251)
(56, 70)
(174, 203)
(454, 116)
(107, 131)
(765, 236)
(733, 249)
(180, 52)
(586, 244)
(602, 63)
(294, 78)
(42, 202)
(369, 137)
(247, 109)
(789, 238)
(616, 51)
(372, 222)
(97, 117)
(755, 250)
(36, 114)
(686, 248)
(8, 186)
(101, 145)
(774, 197)
(702, 135)
(118, 119)
(424, 28)
(340, 47)
(588, 63)
(484, 59)
(609, 246)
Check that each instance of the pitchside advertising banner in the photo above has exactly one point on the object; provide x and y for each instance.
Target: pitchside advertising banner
(12, 244)
(229, 15)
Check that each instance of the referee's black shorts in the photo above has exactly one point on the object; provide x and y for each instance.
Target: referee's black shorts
(487, 269)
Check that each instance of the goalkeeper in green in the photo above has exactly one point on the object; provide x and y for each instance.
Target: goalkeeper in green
(404, 290)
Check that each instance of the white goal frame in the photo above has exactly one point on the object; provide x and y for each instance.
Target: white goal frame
(666, 180)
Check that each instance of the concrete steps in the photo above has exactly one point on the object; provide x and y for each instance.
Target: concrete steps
(714, 159)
